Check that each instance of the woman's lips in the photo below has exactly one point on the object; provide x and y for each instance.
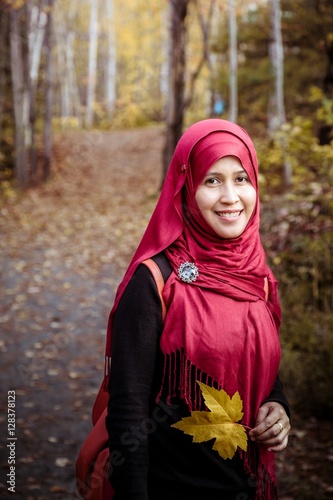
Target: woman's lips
(229, 215)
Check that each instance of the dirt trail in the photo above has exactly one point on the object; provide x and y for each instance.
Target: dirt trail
(63, 249)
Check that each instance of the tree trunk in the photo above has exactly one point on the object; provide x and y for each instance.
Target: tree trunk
(233, 63)
(3, 49)
(70, 103)
(177, 101)
(177, 70)
(164, 71)
(63, 70)
(110, 83)
(48, 94)
(92, 63)
(72, 78)
(325, 133)
(276, 114)
(19, 98)
(37, 19)
(205, 25)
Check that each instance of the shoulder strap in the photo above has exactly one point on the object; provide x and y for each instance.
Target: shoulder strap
(266, 288)
(158, 277)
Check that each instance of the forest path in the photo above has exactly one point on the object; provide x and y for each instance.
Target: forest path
(64, 247)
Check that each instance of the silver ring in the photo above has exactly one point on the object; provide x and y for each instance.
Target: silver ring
(281, 426)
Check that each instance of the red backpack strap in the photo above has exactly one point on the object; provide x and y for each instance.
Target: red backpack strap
(266, 288)
(159, 280)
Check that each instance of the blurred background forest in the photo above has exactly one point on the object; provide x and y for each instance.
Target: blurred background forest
(107, 66)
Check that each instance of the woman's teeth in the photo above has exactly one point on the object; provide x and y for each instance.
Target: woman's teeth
(228, 215)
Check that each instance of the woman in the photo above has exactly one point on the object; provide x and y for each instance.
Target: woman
(221, 327)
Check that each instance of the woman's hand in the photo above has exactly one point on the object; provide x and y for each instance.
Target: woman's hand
(272, 427)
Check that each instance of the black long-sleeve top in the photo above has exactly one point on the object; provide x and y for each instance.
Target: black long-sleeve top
(150, 460)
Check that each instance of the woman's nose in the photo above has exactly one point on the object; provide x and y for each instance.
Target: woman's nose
(229, 194)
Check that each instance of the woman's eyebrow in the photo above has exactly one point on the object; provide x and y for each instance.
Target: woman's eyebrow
(239, 172)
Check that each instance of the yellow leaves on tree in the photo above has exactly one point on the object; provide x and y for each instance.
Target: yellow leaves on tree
(219, 423)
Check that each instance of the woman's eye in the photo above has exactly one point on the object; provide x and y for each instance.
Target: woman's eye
(212, 181)
(242, 179)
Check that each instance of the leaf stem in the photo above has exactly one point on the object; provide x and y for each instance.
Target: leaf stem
(247, 427)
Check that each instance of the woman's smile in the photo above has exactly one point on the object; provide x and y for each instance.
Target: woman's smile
(229, 215)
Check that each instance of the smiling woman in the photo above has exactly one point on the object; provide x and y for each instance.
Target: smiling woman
(221, 328)
(226, 197)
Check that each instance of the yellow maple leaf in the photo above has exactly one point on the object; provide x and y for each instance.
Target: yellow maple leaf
(219, 423)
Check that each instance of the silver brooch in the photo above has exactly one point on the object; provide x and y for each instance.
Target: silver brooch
(188, 272)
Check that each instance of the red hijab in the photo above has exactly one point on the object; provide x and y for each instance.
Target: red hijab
(219, 328)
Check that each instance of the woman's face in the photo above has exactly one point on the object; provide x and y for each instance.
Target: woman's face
(226, 197)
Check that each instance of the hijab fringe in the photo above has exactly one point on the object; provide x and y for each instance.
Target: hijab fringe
(265, 480)
(184, 380)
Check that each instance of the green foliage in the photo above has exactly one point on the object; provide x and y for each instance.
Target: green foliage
(6, 157)
(297, 233)
(297, 143)
(325, 111)
(307, 37)
(297, 229)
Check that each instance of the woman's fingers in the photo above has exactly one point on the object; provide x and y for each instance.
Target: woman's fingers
(280, 446)
(273, 427)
